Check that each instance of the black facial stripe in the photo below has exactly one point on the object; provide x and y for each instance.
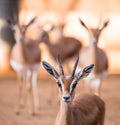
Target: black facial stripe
(74, 85)
(59, 84)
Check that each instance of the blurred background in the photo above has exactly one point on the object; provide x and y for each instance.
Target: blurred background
(57, 11)
(91, 11)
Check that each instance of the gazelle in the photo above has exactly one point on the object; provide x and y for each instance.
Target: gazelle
(66, 47)
(85, 109)
(25, 60)
(97, 56)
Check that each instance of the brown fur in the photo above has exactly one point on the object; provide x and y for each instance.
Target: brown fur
(66, 47)
(27, 52)
(97, 57)
(85, 109)
(96, 54)
(91, 110)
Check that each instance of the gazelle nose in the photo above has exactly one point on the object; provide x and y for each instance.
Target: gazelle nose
(94, 42)
(66, 99)
(20, 39)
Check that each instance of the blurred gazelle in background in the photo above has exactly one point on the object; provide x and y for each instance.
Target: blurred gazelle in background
(25, 60)
(94, 54)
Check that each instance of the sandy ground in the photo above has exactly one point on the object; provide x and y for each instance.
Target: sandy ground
(49, 102)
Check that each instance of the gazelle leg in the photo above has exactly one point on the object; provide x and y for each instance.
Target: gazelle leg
(35, 91)
(30, 96)
(24, 94)
(98, 88)
(96, 85)
(19, 93)
(87, 86)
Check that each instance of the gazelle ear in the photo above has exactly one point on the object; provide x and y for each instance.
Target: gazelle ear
(24, 27)
(84, 72)
(83, 24)
(50, 69)
(11, 23)
(31, 21)
(105, 24)
(50, 29)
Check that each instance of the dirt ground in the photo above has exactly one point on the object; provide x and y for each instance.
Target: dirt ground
(49, 102)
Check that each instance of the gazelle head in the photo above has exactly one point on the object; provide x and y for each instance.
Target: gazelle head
(94, 32)
(44, 34)
(19, 30)
(67, 83)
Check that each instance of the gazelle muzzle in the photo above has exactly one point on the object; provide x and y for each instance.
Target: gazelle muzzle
(66, 98)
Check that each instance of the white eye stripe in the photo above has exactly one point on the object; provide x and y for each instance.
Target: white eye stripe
(72, 84)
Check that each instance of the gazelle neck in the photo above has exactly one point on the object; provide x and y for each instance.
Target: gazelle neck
(51, 47)
(65, 116)
(93, 56)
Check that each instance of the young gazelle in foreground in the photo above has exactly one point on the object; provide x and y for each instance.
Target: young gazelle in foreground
(86, 109)
(97, 56)
(25, 60)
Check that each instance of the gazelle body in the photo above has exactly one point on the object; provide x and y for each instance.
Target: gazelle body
(66, 47)
(25, 60)
(85, 109)
(97, 56)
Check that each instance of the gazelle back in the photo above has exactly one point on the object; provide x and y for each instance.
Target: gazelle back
(66, 47)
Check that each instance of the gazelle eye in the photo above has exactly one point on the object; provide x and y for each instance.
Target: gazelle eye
(59, 84)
